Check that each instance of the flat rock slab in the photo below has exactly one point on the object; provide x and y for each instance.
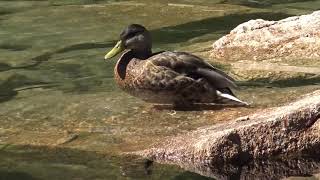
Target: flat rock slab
(293, 129)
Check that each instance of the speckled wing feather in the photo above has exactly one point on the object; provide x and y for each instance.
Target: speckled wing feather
(156, 78)
(193, 67)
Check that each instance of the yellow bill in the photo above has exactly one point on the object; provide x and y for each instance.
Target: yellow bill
(118, 48)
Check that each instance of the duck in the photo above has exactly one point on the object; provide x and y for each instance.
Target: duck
(167, 77)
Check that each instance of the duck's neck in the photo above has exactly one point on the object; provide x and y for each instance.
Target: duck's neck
(142, 54)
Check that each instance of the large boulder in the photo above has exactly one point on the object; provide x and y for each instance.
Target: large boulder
(290, 130)
(273, 50)
(293, 37)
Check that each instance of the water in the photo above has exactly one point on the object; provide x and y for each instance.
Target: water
(54, 83)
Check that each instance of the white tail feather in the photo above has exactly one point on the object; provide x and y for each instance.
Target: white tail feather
(228, 96)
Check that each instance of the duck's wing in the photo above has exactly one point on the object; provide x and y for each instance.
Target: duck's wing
(156, 77)
(193, 67)
(184, 73)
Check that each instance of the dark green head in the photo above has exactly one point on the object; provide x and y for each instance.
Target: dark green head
(136, 38)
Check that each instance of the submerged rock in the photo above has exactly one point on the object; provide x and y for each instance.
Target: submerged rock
(294, 42)
(293, 129)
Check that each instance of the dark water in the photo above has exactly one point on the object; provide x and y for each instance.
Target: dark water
(55, 83)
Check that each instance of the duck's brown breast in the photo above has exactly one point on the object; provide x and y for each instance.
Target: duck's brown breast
(125, 73)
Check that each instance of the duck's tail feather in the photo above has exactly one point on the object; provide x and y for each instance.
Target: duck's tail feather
(229, 97)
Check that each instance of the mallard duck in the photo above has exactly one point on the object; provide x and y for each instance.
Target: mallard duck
(166, 77)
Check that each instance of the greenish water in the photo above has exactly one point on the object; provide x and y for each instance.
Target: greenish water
(42, 163)
(54, 81)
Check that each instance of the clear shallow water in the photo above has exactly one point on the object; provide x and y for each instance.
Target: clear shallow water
(55, 83)
(42, 163)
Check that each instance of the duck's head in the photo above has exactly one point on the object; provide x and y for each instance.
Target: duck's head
(136, 38)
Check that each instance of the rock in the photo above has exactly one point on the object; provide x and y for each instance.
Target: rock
(290, 130)
(296, 37)
(294, 41)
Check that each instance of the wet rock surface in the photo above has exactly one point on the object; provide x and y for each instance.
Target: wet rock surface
(261, 49)
(284, 131)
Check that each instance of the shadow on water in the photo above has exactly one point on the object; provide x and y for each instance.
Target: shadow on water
(14, 47)
(16, 175)
(75, 47)
(78, 2)
(46, 56)
(261, 169)
(5, 12)
(184, 32)
(7, 94)
(29, 162)
(8, 89)
(198, 107)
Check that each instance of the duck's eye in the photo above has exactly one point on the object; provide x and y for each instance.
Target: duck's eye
(130, 35)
